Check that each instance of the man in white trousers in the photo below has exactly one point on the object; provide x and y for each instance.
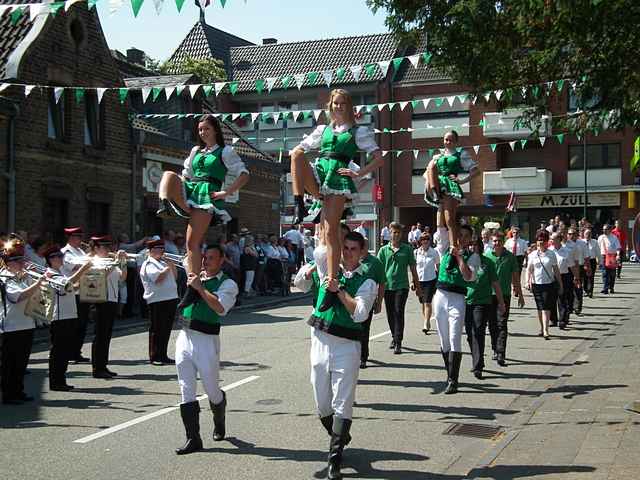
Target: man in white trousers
(335, 346)
(198, 347)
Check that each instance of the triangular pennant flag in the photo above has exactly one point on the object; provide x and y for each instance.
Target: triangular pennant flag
(79, 94)
(271, 81)
(92, 3)
(560, 137)
(359, 108)
(122, 94)
(179, 90)
(55, 7)
(312, 77)
(430, 152)
(254, 116)
(234, 140)
(438, 102)
(100, 94)
(487, 96)
(327, 75)
(265, 116)
(499, 94)
(476, 148)
(57, 93)
(28, 89)
(155, 93)
(493, 147)
(340, 73)
(542, 140)
(536, 91)
(397, 62)
(35, 10)
(219, 86)
(207, 89)
(233, 87)
(179, 4)
(403, 105)
(295, 114)
(462, 98)
(560, 85)
(370, 69)
(69, 3)
(145, 94)
(416, 153)
(426, 57)
(425, 103)
(356, 71)
(223, 3)
(451, 99)
(16, 15)
(384, 67)
(523, 143)
(275, 116)
(286, 81)
(306, 114)
(299, 78)
(157, 4)
(135, 6)
(259, 85)
(512, 145)
(193, 89)
(316, 114)
(168, 91)
(415, 60)
(385, 152)
(481, 123)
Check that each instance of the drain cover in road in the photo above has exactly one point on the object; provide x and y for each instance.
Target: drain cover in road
(487, 432)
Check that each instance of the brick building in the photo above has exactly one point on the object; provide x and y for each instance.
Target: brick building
(65, 162)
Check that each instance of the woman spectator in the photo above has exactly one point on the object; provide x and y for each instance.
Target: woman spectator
(427, 263)
(543, 279)
(248, 264)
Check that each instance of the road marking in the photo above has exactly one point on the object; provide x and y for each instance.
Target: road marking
(149, 416)
(380, 335)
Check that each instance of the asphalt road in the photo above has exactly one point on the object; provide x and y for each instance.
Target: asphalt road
(128, 427)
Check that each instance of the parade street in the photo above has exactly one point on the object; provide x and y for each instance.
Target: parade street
(560, 403)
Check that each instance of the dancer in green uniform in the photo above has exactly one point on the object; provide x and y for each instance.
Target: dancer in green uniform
(330, 179)
(198, 194)
(443, 185)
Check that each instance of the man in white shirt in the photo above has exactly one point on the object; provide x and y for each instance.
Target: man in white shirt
(295, 236)
(385, 235)
(610, 251)
(362, 230)
(583, 267)
(575, 294)
(517, 246)
(593, 253)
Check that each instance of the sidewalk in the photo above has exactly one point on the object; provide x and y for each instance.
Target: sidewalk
(578, 428)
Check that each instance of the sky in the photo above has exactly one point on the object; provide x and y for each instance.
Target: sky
(253, 20)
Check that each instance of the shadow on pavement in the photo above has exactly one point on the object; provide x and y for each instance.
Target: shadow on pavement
(505, 472)
(449, 412)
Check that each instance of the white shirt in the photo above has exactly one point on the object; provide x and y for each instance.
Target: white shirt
(16, 319)
(540, 266)
(64, 306)
(271, 252)
(441, 239)
(466, 162)
(226, 293)
(70, 254)
(593, 249)
(361, 230)
(385, 234)
(474, 263)
(426, 262)
(608, 244)
(166, 289)
(577, 253)
(113, 280)
(320, 259)
(565, 257)
(414, 235)
(284, 253)
(583, 250)
(233, 162)
(295, 237)
(364, 138)
(521, 246)
(32, 256)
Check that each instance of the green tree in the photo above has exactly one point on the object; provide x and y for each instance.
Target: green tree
(488, 45)
(208, 70)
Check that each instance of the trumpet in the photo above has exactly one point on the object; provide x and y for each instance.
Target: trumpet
(37, 272)
(177, 260)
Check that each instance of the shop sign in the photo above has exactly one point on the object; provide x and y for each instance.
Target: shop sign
(569, 200)
(378, 193)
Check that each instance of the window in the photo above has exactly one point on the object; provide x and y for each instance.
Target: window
(55, 217)
(56, 119)
(434, 121)
(98, 217)
(574, 101)
(93, 121)
(419, 164)
(606, 155)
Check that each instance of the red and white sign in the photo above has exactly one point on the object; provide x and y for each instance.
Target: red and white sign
(378, 193)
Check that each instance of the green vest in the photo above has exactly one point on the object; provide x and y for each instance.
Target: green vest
(337, 320)
(449, 164)
(452, 280)
(210, 165)
(199, 316)
(480, 291)
(342, 144)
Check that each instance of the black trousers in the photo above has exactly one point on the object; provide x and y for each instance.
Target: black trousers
(364, 340)
(161, 317)
(475, 322)
(589, 278)
(63, 342)
(571, 292)
(394, 303)
(105, 314)
(16, 349)
(578, 293)
(564, 300)
(498, 328)
(81, 327)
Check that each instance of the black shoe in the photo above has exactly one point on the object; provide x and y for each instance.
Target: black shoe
(501, 361)
(177, 209)
(339, 434)
(219, 415)
(478, 374)
(397, 350)
(604, 292)
(330, 298)
(392, 345)
(168, 361)
(494, 356)
(189, 298)
(363, 364)
(81, 359)
(452, 387)
(111, 372)
(165, 210)
(612, 291)
(553, 324)
(562, 326)
(300, 209)
(190, 413)
(63, 387)
(455, 358)
(104, 374)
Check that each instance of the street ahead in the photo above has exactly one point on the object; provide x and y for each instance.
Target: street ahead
(560, 403)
